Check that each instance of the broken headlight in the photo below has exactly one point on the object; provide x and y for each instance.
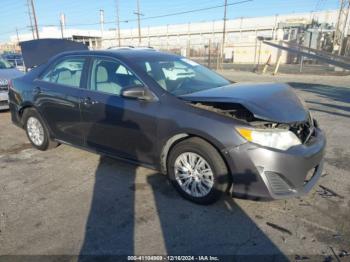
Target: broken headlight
(277, 138)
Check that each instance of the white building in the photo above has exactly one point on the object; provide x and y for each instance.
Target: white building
(241, 45)
(90, 37)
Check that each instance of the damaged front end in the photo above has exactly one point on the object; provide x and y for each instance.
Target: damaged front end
(274, 171)
(268, 112)
(303, 130)
(283, 156)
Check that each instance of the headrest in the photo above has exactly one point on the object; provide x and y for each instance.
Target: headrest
(102, 74)
(65, 74)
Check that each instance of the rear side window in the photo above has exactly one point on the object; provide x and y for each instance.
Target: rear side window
(66, 72)
(109, 76)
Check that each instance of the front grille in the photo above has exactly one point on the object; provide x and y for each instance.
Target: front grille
(279, 186)
(304, 131)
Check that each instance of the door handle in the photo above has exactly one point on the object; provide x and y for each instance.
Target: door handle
(87, 101)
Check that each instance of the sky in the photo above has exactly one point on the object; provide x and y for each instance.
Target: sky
(84, 13)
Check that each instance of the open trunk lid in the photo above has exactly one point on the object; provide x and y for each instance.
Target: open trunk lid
(37, 52)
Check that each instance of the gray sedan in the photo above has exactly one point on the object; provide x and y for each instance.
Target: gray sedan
(207, 134)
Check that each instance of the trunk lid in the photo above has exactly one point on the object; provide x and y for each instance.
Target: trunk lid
(39, 51)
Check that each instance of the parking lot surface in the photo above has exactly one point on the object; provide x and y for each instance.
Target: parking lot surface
(69, 201)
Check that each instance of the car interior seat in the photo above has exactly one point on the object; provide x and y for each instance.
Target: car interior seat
(64, 77)
(76, 75)
(103, 82)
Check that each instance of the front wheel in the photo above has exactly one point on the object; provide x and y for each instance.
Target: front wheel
(197, 171)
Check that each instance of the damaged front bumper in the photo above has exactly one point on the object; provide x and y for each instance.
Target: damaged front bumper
(264, 173)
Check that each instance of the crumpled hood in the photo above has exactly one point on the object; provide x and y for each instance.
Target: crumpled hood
(9, 74)
(268, 101)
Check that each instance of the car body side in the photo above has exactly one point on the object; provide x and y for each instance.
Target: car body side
(173, 117)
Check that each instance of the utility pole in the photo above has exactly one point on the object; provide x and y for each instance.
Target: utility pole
(102, 21)
(117, 21)
(138, 13)
(30, 18)
(34, 17)
(223, 33)
(62, 23)
(341, 26)
(17, 35)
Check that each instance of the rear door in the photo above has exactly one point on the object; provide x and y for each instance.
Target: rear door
(123, 127)
(57, 95)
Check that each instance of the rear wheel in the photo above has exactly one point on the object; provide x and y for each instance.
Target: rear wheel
(37, 131)
(197, 171)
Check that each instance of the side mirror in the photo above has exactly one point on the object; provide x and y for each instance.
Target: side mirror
(138, 92)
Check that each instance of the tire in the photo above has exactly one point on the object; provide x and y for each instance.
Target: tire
(30, 116)
(212, 159)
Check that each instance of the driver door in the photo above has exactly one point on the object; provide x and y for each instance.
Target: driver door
(113, 124)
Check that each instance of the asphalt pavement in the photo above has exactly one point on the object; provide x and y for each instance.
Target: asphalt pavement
(67, 201)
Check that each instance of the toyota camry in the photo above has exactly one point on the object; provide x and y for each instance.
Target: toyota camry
(160, 110)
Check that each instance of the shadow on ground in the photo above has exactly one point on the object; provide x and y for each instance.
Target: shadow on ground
(334, 94)
(114, 228)
(187, 229)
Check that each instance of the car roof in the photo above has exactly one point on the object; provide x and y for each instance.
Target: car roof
(139, 54)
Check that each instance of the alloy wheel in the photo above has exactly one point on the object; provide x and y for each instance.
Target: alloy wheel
(193, 174)
(35, 131)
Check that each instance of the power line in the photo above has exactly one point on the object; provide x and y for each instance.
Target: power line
(193, 10)
(132, 20)
(14, 30)
(169, 14)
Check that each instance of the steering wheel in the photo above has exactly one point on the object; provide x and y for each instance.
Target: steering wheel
(181, 83)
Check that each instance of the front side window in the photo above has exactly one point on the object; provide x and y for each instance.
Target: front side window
(181, 76)
(111, 77)
(66, 72)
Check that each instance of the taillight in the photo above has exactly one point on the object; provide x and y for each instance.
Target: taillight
(10, 86)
